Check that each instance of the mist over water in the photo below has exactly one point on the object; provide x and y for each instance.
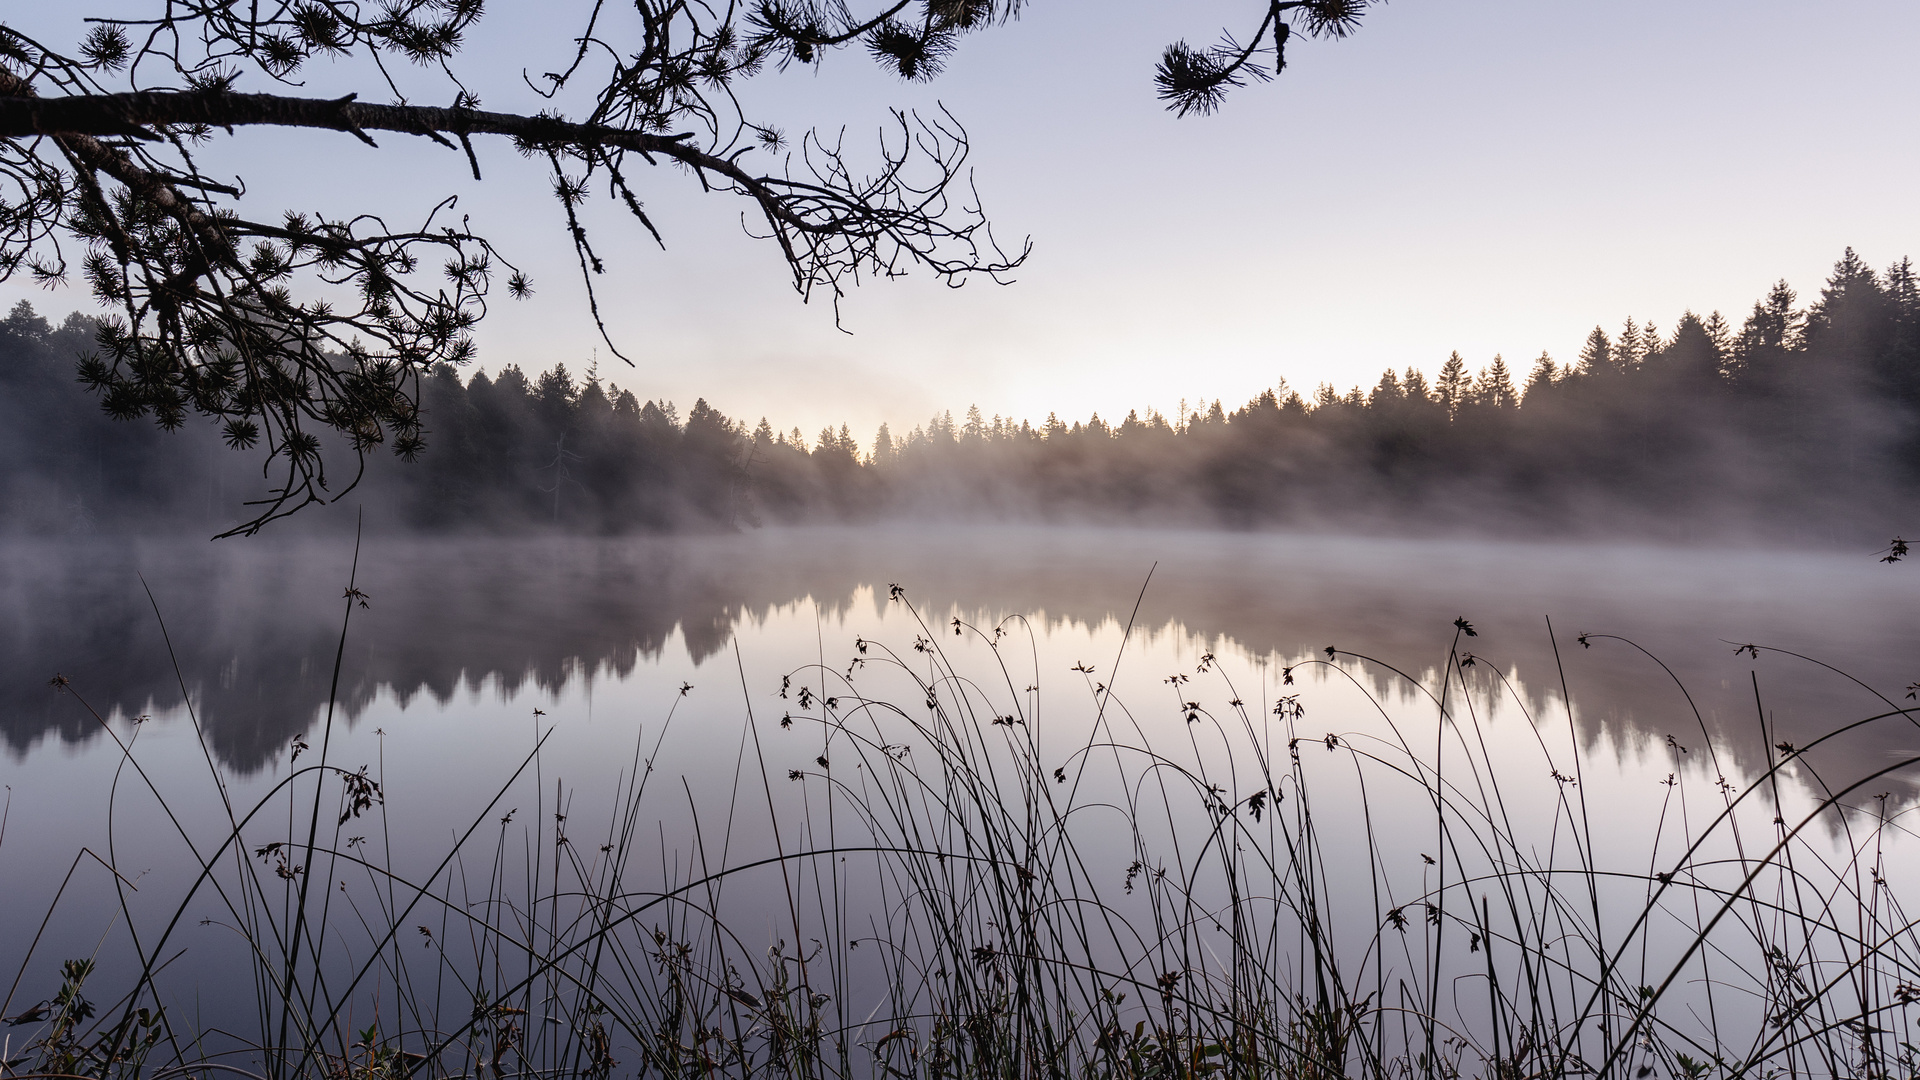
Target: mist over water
(688, 653)
(1800, 427)
(1654, 582)
(569, 724)
(254, 626)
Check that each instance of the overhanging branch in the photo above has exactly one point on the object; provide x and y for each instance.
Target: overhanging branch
(134, 114)
(131, 114)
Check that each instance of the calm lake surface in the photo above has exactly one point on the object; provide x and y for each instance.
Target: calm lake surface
(469, 651)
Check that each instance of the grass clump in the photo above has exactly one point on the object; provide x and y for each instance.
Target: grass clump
(916, 875)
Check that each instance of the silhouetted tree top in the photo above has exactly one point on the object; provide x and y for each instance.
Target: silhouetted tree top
(286, 327)
(1813, 437)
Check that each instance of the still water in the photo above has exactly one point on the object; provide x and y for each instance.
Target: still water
(483, 630)
(211, 666)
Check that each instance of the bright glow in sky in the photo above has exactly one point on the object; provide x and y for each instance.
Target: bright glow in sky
(1491, 176)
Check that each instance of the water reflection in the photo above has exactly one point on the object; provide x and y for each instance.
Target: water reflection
(601, 634)
(254, 626)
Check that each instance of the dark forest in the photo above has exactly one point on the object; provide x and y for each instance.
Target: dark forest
(1799, 424)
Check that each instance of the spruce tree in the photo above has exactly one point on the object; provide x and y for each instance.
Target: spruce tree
(1596, 356)
(1851, 322)
(1900, 367)
(1413, 386)
(1630, 348)
(1769, 335)
(1693, 356)
(1544, 374)
(1775, 323)
(975, 428)
(1387, 392)
(1452, 385)
(1494, 387)
(1721, 333)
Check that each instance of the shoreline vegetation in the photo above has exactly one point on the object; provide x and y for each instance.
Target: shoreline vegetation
(919, 873)
(1801, 425)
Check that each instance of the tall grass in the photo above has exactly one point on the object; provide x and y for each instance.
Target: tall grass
(956, 885)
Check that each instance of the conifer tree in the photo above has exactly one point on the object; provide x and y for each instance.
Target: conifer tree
(1452, 385)
(1812, 447)
(1494, 387)
(1720, 332)
(1775, 322)
(1770, 333)
(218, 312)
(1900, 366)
(1387, 392)
(1596, 356)
(1630, 348)
(1693, 355)
(1544, 374)
(1413, 387)
(1851, 320)
(1903, 292)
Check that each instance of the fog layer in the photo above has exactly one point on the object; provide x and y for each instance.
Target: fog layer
(254, 626)
(1800, 426)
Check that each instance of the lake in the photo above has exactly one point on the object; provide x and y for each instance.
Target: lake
(768, 688)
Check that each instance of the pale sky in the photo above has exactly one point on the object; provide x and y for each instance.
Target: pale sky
(1491, 176)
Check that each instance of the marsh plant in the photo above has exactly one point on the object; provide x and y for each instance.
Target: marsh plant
(918, 873)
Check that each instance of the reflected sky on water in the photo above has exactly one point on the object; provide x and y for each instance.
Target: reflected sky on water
(685, 654)
(255, 625)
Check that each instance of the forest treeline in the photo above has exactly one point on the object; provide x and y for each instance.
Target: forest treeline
(1802, 421)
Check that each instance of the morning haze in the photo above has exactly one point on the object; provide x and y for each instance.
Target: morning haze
(1492, 178)
(934, 539)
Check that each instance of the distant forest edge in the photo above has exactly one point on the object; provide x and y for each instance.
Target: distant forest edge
(1801, 425)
